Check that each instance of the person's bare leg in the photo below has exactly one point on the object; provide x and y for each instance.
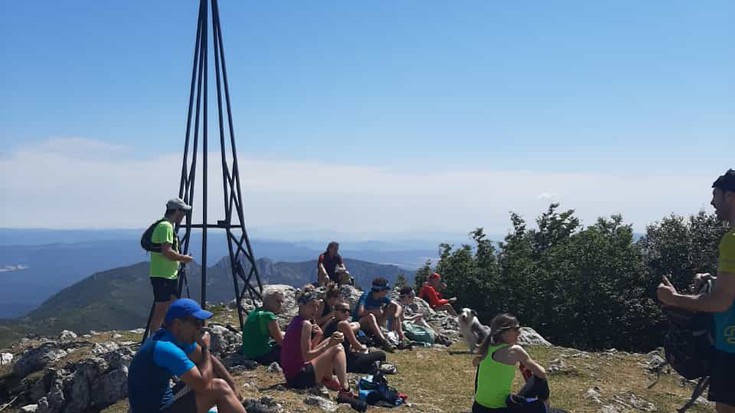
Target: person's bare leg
(345, 328)
(370, 324)
(448, 308)
(324, 363)
(159, 312)
(221, 395)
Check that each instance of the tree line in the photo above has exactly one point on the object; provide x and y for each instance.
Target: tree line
(587, 287)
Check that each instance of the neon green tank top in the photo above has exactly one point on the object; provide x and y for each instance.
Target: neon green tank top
(494, 380)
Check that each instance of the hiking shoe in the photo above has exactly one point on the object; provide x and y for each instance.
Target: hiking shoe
(405, 345)
(346, 393)
(386, 346)
(332, 384)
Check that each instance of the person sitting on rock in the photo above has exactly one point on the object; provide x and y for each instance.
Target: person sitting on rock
(431, 293)
(308, 360)
(496, 362)
(375, 304)
(406, 297)
(261, 337)
(181, 349)
(359, 358)
(326, 306)
(331, 267)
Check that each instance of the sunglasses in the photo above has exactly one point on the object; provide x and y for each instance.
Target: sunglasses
(194, 321)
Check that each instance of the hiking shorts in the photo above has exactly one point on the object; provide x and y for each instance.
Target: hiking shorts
(722, 379)
(184, 402)
(305, 379)
(164, 288)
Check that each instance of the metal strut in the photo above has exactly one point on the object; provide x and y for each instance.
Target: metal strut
(245, 276)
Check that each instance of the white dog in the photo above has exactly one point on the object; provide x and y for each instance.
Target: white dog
(473, 331)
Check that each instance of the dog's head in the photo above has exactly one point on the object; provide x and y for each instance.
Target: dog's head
(466, 316)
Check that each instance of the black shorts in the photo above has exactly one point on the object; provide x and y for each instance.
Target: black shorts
(722, 379)
(164, 288)
(184, 402)
(272, 356)
(305, 379)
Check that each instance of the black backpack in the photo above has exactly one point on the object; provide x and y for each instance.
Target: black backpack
(147, 243)
(689, 342)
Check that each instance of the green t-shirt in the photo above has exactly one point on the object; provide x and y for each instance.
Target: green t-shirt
(725, 321)
(256, 339)
(160, 265)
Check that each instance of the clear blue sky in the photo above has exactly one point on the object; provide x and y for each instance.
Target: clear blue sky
(550, 87)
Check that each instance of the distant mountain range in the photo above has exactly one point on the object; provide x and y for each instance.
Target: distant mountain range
(35, 264)
(121, 298)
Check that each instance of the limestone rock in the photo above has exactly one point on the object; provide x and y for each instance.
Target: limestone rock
(324, 404)
(67, 335)
(37, 358)
(529, 337)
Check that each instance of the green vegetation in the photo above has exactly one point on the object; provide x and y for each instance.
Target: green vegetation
(584, 287)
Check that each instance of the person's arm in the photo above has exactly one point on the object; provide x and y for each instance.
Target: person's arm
(321, 271)
(221, 372)
(717, 301)
(168, 252)
(432, 297)
(519, 354)
(308, 351)
(275, 332)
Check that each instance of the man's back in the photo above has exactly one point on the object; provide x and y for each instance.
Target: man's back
(725, 321)
(158, 360)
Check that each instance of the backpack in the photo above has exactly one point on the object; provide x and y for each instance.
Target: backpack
(689, 341)
(374, 390)
(418, 333)
(146, 241)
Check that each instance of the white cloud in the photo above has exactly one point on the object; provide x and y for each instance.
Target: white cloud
(82, 183)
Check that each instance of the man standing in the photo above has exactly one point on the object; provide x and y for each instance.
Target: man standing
(181, 349)
(330, 266)
(164, 268)
(721, 301)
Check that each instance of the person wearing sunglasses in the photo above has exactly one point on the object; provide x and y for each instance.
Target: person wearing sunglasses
(496, 363)
(306, 358)
(181, 349)
(359, 358)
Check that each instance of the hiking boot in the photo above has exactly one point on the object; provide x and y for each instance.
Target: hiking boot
(386, 346)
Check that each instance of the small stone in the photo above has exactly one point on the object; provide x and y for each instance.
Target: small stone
(6, 358)
(274, 368)
(29, 408)
(67, 335)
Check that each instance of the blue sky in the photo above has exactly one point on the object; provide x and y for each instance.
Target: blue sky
(432, 95)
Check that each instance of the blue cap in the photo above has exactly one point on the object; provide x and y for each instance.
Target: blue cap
(185, 307)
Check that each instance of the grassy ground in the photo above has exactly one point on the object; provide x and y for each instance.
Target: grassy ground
(437, 380)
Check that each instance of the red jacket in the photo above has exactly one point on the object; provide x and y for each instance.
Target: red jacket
(432, 296)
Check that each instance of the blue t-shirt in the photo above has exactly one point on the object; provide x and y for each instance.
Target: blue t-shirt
(158, 360)
(370, 303)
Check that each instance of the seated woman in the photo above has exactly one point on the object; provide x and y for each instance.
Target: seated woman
(307, 361)
(326, 314)
(496, 361)
(359, 359)
(261, 337)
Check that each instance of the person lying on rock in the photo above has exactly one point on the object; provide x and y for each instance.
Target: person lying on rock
(261, 337)
(359, 358)
(306, 358)
(181, 349)
(376, 305)
(496, 363)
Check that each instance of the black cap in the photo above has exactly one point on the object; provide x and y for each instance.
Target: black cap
(725, 182)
